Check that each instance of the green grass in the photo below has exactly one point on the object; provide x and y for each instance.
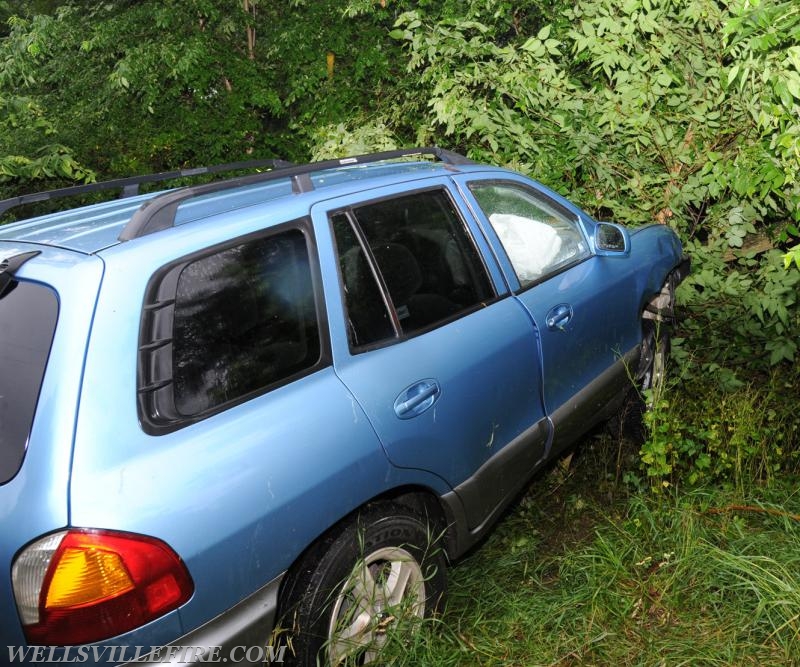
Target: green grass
(682, 551)
(579, 573)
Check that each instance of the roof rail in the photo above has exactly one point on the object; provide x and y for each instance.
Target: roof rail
(130, 185)
(159, 212)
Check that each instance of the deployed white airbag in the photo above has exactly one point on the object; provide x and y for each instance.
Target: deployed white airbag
(532, 246)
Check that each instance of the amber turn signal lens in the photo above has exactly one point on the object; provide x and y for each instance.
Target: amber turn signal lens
(88, 575)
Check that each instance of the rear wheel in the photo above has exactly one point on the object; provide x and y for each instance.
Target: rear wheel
(372, 580)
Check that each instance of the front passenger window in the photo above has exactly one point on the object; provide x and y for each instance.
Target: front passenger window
(538, 236)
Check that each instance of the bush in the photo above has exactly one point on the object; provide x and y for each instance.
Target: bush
(701, 432)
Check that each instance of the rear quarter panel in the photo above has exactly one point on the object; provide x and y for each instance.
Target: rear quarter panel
(238, 495)
(35, 501)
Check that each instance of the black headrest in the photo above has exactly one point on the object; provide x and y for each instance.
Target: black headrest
(400, 271)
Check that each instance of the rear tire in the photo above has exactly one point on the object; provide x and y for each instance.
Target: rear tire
(374, 577)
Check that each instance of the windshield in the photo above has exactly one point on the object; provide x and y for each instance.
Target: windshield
(28, 314)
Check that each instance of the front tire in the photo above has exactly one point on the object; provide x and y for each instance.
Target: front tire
(655, 353)
(378, 574)
(649, 379)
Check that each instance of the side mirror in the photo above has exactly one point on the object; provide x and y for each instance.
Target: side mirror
(611, 239)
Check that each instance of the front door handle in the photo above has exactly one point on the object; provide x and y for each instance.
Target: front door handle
(417, 398)
(558, 317)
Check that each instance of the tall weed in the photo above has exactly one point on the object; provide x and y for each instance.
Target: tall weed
(699, 431)
(705, 577)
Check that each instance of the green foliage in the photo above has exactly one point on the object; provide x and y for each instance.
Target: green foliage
(331, 141)
(763, 41)
(712, 431)
(792, 256)
(30, 157)
(742, 314)
(705, 578)
(135, 87)
(30, 147)
(143, 87)
(330, 66)
(644, 111)
(9, 9)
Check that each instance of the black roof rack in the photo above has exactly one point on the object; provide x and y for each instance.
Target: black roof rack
(159, 212)
(130, 185)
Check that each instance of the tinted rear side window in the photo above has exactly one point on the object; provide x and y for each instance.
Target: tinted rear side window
(227, 324)
(28, 314)
(245, 319)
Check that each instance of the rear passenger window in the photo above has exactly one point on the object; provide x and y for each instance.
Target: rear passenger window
(244, 320)
(369, 318)
(407, 264)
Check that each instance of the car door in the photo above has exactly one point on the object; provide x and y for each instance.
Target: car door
(442, 361)
(582, 303)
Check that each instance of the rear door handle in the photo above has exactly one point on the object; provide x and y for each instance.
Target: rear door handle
(417, 398)
(558, 317)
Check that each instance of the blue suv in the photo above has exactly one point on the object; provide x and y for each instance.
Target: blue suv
(249, 420)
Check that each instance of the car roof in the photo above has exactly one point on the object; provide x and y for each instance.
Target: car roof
(90, 229)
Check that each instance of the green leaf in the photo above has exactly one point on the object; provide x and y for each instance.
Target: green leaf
(733, 72)
(793, 85)
(664, 79)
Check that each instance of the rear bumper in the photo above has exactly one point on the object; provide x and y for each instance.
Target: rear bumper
(239, 637)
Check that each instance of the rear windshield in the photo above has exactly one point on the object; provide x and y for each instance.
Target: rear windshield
(28, 314)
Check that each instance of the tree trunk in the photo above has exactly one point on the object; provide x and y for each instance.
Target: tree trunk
(250, 8)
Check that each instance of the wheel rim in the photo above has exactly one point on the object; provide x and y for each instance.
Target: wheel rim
(655, 362)
(381, 590)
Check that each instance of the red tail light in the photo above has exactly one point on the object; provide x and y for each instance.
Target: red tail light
(82, 586)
